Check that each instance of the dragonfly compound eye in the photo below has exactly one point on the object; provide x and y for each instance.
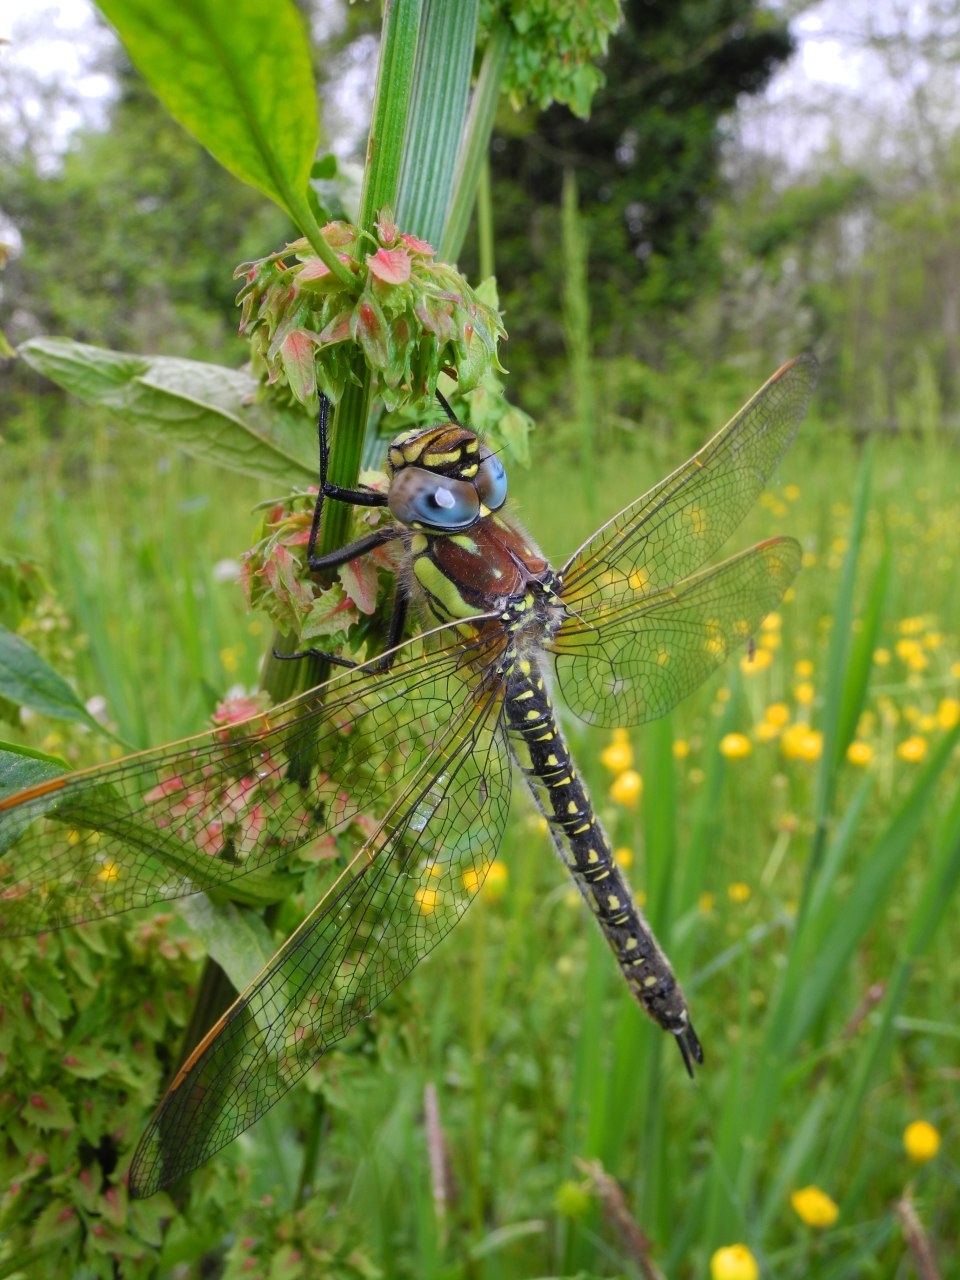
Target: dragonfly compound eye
(438, 502)
(491, 482)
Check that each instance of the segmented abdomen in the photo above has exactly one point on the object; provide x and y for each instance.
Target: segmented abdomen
(586, 851)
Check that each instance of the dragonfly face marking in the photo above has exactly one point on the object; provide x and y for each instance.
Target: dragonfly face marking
(444, 479)
(419, 755)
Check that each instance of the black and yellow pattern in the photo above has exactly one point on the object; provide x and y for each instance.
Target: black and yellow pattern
(587, 852)
(415, 750)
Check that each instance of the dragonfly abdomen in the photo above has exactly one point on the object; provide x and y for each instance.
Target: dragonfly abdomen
(586, 851)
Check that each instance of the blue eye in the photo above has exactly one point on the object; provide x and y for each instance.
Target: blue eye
(448, 504)
(491, 482)
(423, 497)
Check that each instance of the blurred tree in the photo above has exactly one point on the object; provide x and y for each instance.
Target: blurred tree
(647, 163)
(132, 242)
(129, 241)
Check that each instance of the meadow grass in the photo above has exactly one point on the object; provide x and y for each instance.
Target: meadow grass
(806, 894)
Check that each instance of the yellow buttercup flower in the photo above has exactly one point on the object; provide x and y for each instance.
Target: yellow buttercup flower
(627, 789)
(800, 742)
(681, 749)
(738, 891)
(618, 756)
(921, 1141)
(623, 856)
(860, 753)
(734, 1262)
(752, 664)
(882, 657)
(948, 712)
(473, 877)
(735, 746)
(814, 1207)
(495, 885)
(778, 713)
(803, 669)
(804, 693)
(427, 900)
(912, 749)
(772, 622)
(766, 732)
(791, 493)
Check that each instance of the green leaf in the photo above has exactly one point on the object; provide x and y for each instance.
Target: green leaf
(860, 659)
(237, 75)
(864, 903)
(205, 409)
(846, 681)
(476, 141)
(238, 940)
(48, 1109)
(938, 893)
(22, 767)
(29, 682)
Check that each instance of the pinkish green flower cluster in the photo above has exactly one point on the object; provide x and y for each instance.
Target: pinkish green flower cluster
(411, 315)
(276, 578)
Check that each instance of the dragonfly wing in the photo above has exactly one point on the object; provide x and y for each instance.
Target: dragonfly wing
(638, 660)
(684, 520)
(410, 884)
(203, 812)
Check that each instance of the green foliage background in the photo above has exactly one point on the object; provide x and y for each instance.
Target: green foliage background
(521, 1031)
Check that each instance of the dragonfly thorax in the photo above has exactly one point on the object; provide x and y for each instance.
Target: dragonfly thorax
(443, 478)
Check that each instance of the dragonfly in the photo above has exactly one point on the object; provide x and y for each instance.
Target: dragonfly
(416, 749)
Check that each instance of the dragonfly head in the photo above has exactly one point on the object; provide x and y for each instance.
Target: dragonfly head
(443, 478)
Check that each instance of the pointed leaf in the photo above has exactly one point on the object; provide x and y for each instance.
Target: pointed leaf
(237, 75)
(207, 410)
(21, 767)
(238, 940)
(30, 682)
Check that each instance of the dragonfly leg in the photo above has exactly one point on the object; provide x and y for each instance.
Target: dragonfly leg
(314, 653)
(354, 497)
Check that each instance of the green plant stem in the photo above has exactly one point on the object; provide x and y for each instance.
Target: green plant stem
(391, 108)
(485, 223)
(476, 142)
(303, 216)
(441, 89)
(576, 332)
(311, 1148)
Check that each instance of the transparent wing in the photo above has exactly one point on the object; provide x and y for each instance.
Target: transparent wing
(676, 527)
(411, 883)
(639, 659)
(203, 812)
